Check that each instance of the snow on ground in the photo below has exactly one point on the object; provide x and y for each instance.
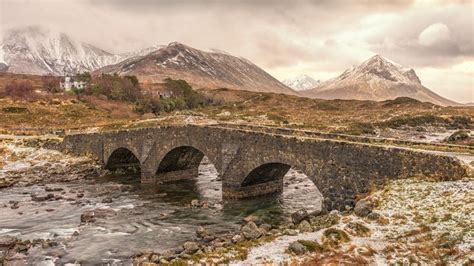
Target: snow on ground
(422, 222)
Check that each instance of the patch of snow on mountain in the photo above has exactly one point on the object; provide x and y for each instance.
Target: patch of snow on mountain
(36, 50)
(301, 82)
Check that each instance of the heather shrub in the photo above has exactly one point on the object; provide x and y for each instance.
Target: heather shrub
(19, 89)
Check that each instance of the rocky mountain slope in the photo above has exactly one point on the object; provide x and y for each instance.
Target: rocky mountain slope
(35, 50)
(376, 79)
(202, 69)
(301, 82)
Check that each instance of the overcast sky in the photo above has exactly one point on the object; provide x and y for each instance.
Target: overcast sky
(286, 38)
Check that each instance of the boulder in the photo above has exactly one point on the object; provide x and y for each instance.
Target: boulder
(251, 231)
(299, 216)
(201, 232)
(324, 221)
(363, 207)
(190, 247)
(92, 215)
(305, 227)
(265, 228)
(373, 216)
(8, 241)
(42, 197)
(237, 239)
(297, 248)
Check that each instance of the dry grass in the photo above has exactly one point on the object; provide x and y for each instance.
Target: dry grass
(345, 116)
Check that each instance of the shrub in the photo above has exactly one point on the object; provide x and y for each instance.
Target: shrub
(20, 90)
(360, 128)
(116, 87)
(412, 121)
(14, 109)
(51, 84)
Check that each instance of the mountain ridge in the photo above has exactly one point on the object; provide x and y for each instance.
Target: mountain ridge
(378, 79)
(203, 69)
(40, 51)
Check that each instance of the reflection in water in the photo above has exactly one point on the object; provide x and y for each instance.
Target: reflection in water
(147, 217)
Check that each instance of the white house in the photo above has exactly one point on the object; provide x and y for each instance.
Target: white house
(68, 83)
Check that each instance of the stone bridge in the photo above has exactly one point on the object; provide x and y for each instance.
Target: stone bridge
(253, 163)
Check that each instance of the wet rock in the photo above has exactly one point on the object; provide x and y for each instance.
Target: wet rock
(8, 241)
(209, 238)
(88, 217)
(107, 200)
(305, 227)
(299, 216)
(168, 255)
(363, 207)
(201, 232)
(190, 247)
(252, 218)
(297, 248)
(195, 203)
(290, 232)
(155, 258)
(14, 204)
(92, 215)
(53, 189)
(373, 216)
(265, 228)
(237, 239)
(251, 231)
(42, 197)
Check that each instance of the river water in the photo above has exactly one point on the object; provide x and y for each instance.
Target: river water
(137, 217)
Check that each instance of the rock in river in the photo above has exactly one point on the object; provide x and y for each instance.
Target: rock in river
(251, 231)
(299, 216)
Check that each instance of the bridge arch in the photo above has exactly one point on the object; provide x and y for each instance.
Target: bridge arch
(179, 163)
(124, 159)
(272, 177)
(267, 172)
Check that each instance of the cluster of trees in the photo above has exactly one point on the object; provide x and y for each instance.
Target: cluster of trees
(184, 97)
(114, 87)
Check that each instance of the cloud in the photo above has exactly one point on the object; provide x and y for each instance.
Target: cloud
(434, 34)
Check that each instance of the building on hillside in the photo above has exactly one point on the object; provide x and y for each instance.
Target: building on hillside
(158, 90)
(68, 83)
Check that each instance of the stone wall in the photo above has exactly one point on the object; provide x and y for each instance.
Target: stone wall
(340, 169)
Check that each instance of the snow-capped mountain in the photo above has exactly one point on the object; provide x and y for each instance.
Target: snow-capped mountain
(213, 69)
(35, 50)
(377, 79)
(301, 82)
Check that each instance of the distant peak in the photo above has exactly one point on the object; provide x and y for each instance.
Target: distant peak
(175, 44)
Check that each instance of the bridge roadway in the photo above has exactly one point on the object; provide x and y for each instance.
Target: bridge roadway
(253, 162)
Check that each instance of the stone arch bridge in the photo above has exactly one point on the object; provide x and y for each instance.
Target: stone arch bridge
(252, 163)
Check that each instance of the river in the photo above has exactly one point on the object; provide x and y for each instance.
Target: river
(136, 217)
